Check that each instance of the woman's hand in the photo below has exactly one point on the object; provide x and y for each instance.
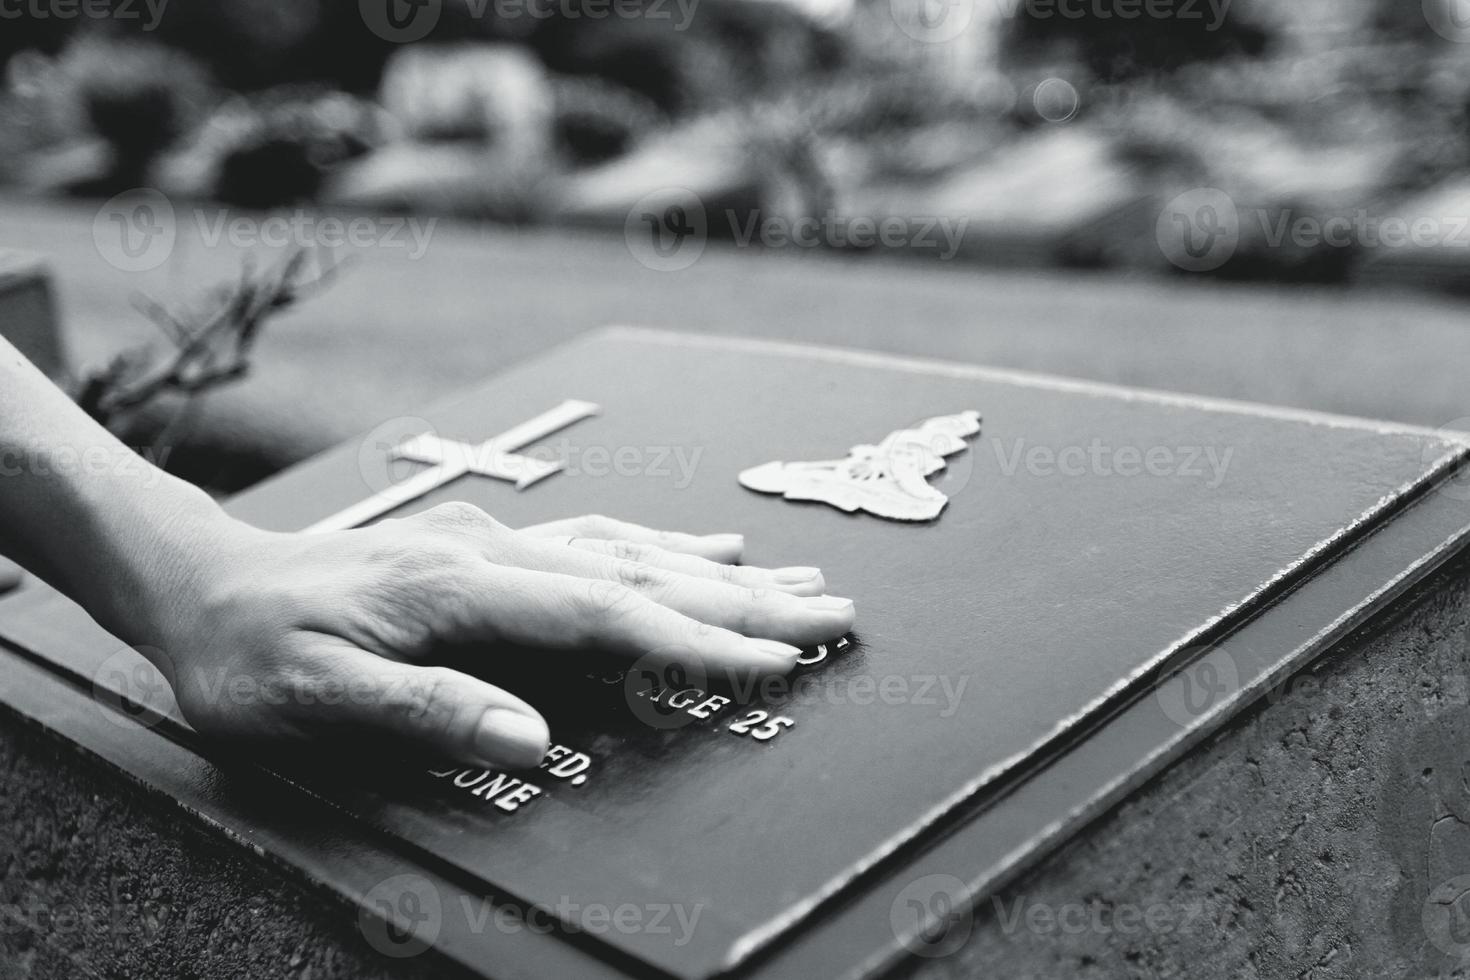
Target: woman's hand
(275, 637)
(328, 632)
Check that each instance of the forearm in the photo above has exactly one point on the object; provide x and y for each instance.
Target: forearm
(84, 512)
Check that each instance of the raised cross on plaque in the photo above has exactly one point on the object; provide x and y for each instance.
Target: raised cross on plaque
(449, 460)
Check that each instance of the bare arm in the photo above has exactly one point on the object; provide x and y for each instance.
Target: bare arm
(339, 626)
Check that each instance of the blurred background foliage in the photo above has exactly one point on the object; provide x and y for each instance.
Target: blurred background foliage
(1058, 136)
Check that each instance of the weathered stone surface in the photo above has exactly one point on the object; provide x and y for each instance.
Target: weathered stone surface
(99, 880)
(1303, 841)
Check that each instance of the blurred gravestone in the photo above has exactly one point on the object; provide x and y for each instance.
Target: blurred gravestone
(1421, 242)
(702, 161)
(1060, 196)
(27, 320)
(28, 310)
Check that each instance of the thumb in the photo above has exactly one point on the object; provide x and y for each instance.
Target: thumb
(447, 712)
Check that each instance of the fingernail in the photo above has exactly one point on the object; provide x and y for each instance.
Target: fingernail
(728, 540)
(828, 603)
(511, 739)
(775, 648)
(796, 574)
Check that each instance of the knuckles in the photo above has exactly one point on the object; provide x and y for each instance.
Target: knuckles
(624, 550)
(592, 525)
(607, 602)
(458, 516)
(640, 577)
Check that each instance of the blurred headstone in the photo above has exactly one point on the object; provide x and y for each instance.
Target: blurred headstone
(1424, 241)
(1055, 197)
(462, 177)
(701, 161)
(490, 93)
(474, 123)
(28, 310)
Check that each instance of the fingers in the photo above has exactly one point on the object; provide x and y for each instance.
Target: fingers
(10, 575)
(446, 712)
(552, 610)
(797, 581)
(759, 612)
(715, 547)
(676, 597)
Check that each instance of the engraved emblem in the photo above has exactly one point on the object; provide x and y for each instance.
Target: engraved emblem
(887, 480)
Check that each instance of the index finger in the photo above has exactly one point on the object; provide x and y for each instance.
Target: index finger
(567, 612)
(726, 548)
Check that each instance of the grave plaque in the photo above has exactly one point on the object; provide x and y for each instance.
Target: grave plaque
(1111, 574)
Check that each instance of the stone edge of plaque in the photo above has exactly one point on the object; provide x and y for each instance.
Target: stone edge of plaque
(1001, 840)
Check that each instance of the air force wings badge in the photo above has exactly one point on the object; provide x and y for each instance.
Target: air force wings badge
(888, 480)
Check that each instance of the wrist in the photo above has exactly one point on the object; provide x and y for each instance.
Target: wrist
(158, 553)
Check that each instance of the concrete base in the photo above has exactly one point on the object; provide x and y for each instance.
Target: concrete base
(101, 880)
(1319, 836)
(1304, 841)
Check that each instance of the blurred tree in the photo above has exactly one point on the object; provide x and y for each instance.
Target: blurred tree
(596, 122)
(1113, 47)
(731, 51)
(277, 147)
(139, 97)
